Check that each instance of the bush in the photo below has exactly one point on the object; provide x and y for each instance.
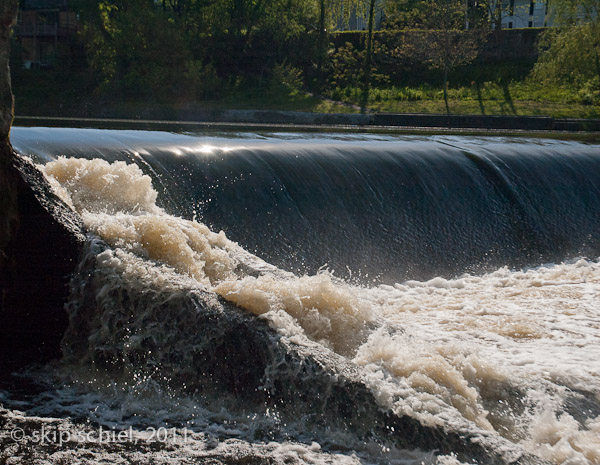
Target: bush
(286, 79)
(569, 56)
(201, 80)
(589, 93)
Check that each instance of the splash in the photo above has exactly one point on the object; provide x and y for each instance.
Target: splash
(330, 313)
(562, 439)
(475, 352)
(96, 185)
(117, 202)
(421, 379)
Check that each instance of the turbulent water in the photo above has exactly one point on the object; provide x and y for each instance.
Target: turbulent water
(457, 278)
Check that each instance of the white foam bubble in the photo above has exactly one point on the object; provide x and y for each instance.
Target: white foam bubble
(329, 313)
(99, 186)
(561, 439)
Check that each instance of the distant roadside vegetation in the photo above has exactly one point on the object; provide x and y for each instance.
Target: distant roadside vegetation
(142, 58)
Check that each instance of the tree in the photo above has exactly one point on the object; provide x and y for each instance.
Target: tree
(405, 14)
(183, 49)
(444, 43)
(366, 9)
(570, 54)
(497, 11)
(252, 36)
(133, 50)
(331, 13)
(414, 14)
(368, 55)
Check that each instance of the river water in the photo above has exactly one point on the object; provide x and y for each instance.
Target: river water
(456, 277)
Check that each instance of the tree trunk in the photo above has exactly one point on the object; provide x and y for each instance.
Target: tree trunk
(498, 27)
(446, 89)
(8, 15)
(446, 67)
(322, 46)
(368, 59)
(596, 45)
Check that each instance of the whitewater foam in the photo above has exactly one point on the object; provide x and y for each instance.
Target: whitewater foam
(117, 202)
(101, 186)
(329, 313)
(499, 353)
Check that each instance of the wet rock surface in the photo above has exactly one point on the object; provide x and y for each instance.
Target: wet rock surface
(40, 249)
(39, 242)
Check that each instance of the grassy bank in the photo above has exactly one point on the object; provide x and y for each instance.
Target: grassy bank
(489, 98)
(44, 93)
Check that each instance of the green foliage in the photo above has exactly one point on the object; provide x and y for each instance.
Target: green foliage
(417, 14)
(448, 45)
(589, 92)
(135, 52)
(177, 50)
(444, 44)
(347, 66)
(406, 14)
(489, 97)
(264, 52)
(571, 56)
(201, 79)
(286, 79)
(572, 12)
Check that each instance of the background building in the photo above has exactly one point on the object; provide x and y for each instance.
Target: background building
(524, 13)
(42, 25)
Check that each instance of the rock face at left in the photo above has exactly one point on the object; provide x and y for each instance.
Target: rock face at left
(40, 240)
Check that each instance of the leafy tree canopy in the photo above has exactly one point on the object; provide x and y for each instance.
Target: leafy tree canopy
(570, 54)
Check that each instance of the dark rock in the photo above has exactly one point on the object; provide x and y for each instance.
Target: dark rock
(39, 253)
(40, 240)
(8, 179)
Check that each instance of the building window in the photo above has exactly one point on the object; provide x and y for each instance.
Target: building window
(530, 23)
(510, 24)
(531, 7)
